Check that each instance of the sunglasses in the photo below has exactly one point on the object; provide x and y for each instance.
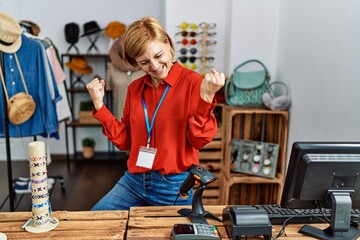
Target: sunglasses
(193, 34)
(207, 59)
(186, 34)
(186, 42)
(186, 25)
(184, 59)
(204, 25)
(191, 66)
(207, 42)
(193, 51)
(194, 42)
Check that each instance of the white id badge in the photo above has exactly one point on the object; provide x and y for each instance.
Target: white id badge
(146, 157)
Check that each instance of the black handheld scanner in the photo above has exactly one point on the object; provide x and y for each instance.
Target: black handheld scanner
(198, 175)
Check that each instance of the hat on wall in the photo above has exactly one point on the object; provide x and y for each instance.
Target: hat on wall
(116, 55)
(72, 32)
(79, 65)
(91, 28)
(10, 34)
(115, 29)
(30, 26)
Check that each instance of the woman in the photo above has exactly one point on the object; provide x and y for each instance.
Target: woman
(168, 117)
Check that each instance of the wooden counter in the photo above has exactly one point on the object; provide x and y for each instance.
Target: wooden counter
(148, 223)
(156, 223)
(73, 225)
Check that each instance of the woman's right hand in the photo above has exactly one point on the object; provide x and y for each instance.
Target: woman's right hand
(96, 89)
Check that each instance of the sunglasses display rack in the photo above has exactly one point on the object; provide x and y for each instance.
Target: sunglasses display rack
(196, 44)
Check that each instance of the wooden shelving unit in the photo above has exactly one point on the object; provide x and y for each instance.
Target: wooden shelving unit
(211, 156)
(73, 91)
(259, 125)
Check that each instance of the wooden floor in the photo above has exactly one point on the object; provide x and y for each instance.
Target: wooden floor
(85, 183)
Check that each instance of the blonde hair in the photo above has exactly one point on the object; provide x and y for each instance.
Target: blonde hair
(140, 34)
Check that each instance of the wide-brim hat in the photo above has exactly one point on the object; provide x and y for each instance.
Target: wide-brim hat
(10, 34)
(79, 65)
(115, 29)
(32, 27)
(91, 28)
(117, 55)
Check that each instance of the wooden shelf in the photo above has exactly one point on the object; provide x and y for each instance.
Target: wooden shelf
(80, 90)
(99, 156)
(254, 179)
(215, 144)
(211, 156)
(257, 124)
(76, 123)
(85, 55)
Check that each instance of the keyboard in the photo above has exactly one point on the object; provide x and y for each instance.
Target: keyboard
(279, 215)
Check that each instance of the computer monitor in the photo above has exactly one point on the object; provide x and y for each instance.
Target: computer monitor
(325, 174)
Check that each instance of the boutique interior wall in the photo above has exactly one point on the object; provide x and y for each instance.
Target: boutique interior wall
(313, 46)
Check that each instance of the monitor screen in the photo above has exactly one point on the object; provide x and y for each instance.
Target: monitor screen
(325, 175)
(317, 168)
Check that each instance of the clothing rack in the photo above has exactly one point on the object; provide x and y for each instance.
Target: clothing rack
(7, 142)
(8, 150)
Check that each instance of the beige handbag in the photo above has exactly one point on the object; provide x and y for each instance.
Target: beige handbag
(21, 106)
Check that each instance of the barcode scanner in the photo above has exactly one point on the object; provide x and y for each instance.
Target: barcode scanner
(202, 177)
(198, 175)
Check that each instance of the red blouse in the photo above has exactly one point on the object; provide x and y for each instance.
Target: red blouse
(184, 122)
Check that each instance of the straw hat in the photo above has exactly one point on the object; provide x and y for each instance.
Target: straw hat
(79, 65)
(115, 29)
(10, 34)
(116, 55)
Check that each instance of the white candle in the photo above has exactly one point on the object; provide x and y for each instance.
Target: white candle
(38, 174)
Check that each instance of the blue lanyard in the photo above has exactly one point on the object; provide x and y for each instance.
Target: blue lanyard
(148, 126)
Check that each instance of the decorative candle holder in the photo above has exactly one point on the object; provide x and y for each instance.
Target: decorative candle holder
(41, 220)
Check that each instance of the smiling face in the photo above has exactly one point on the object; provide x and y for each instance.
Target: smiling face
(149, 48)
(156, 60)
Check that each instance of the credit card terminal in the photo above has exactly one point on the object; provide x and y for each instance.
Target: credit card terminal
(194, 231)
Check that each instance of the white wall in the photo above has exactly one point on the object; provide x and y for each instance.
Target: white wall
(319, 55)
(254, 32)
(314, 46)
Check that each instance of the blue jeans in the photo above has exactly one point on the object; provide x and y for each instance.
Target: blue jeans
(144, 189)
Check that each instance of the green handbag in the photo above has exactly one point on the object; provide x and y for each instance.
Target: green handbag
(247, 86)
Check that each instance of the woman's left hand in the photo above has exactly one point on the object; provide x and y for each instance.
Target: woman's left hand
(211, 83)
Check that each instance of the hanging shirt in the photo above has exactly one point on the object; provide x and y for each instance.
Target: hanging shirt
(44, 122)
(62, 106)
(118, 82)
(183, 124)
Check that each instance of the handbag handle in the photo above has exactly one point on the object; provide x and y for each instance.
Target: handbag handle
(21, 75)
(257, 61)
